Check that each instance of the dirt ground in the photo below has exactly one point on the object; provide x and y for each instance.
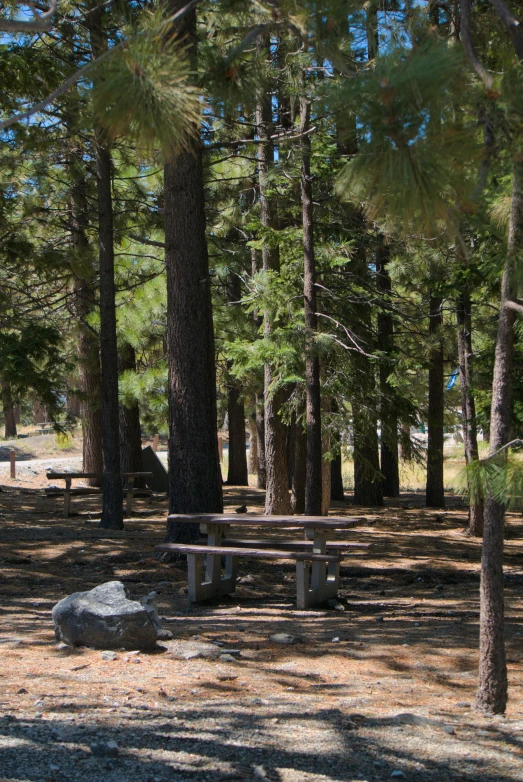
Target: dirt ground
(381, 690)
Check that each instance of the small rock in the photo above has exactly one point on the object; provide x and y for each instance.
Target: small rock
(339, 607)
(397, 774)
(336, 640)
(164, 635)
(260, 772)
(448, 729)
(379, 619)
(62, 647)
(284, 638)
(227, 658)
(241, 509)
(463, 705)
(107, 749)
(109, 655)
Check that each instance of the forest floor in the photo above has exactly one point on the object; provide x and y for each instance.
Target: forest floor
(381, 690)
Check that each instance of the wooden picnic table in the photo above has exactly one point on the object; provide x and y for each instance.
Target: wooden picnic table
(317, 570)
(86, 490)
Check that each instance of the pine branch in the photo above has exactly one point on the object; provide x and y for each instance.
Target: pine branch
(80, 73)
(466, 40)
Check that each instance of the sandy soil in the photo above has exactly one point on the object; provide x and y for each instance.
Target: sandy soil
(381, 690)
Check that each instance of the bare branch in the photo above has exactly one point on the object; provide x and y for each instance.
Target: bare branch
(512, 305)
(143, 240)
(40, 23)
(511, 25)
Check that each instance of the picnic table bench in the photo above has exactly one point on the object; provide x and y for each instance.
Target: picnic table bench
(89, 490)
(317, 561)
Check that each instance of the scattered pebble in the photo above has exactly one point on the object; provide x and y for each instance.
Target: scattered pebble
(107, 655)
(284, 638)
(107, 749)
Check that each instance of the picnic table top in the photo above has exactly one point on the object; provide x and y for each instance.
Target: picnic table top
(52, 475)
(253, 520)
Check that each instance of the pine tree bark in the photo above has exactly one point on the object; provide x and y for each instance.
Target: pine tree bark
(261, 474)
(88, 346)
(299, 471)
(277, 499)
(492, 685)
(9, 411)
(313, 483)
(388, 415)
(237, 472)
(337, 490)
(195, 483)
(367, 477)
(468, 408)
(130, 429)
(112, 495)
(435, 494)
(252, 462)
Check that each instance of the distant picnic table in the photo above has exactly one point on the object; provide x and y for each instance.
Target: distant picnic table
(317, 559)
(69, 489)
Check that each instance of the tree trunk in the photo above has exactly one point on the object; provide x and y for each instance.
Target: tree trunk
(367, 477)
(468, 409)
(261, 475)
(388, 408)
(313, 483)
(88, 346)
(253, 441)
(130, 429)
(9, 411)
(112, 504)
(325, 464)
(277, 498)
(237, 473)
(435, 494)
(492, 686)
(195, 484)
(337, 490)
(299, 471)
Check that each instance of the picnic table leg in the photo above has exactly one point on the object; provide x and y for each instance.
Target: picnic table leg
(316, 581)
(194, 577)
(67, 498)
(129, 498)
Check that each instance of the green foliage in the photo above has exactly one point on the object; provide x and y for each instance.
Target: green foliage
(145, 90)
(31, 360)
(412, 147)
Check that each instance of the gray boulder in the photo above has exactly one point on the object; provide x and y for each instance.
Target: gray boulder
(104, 618)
